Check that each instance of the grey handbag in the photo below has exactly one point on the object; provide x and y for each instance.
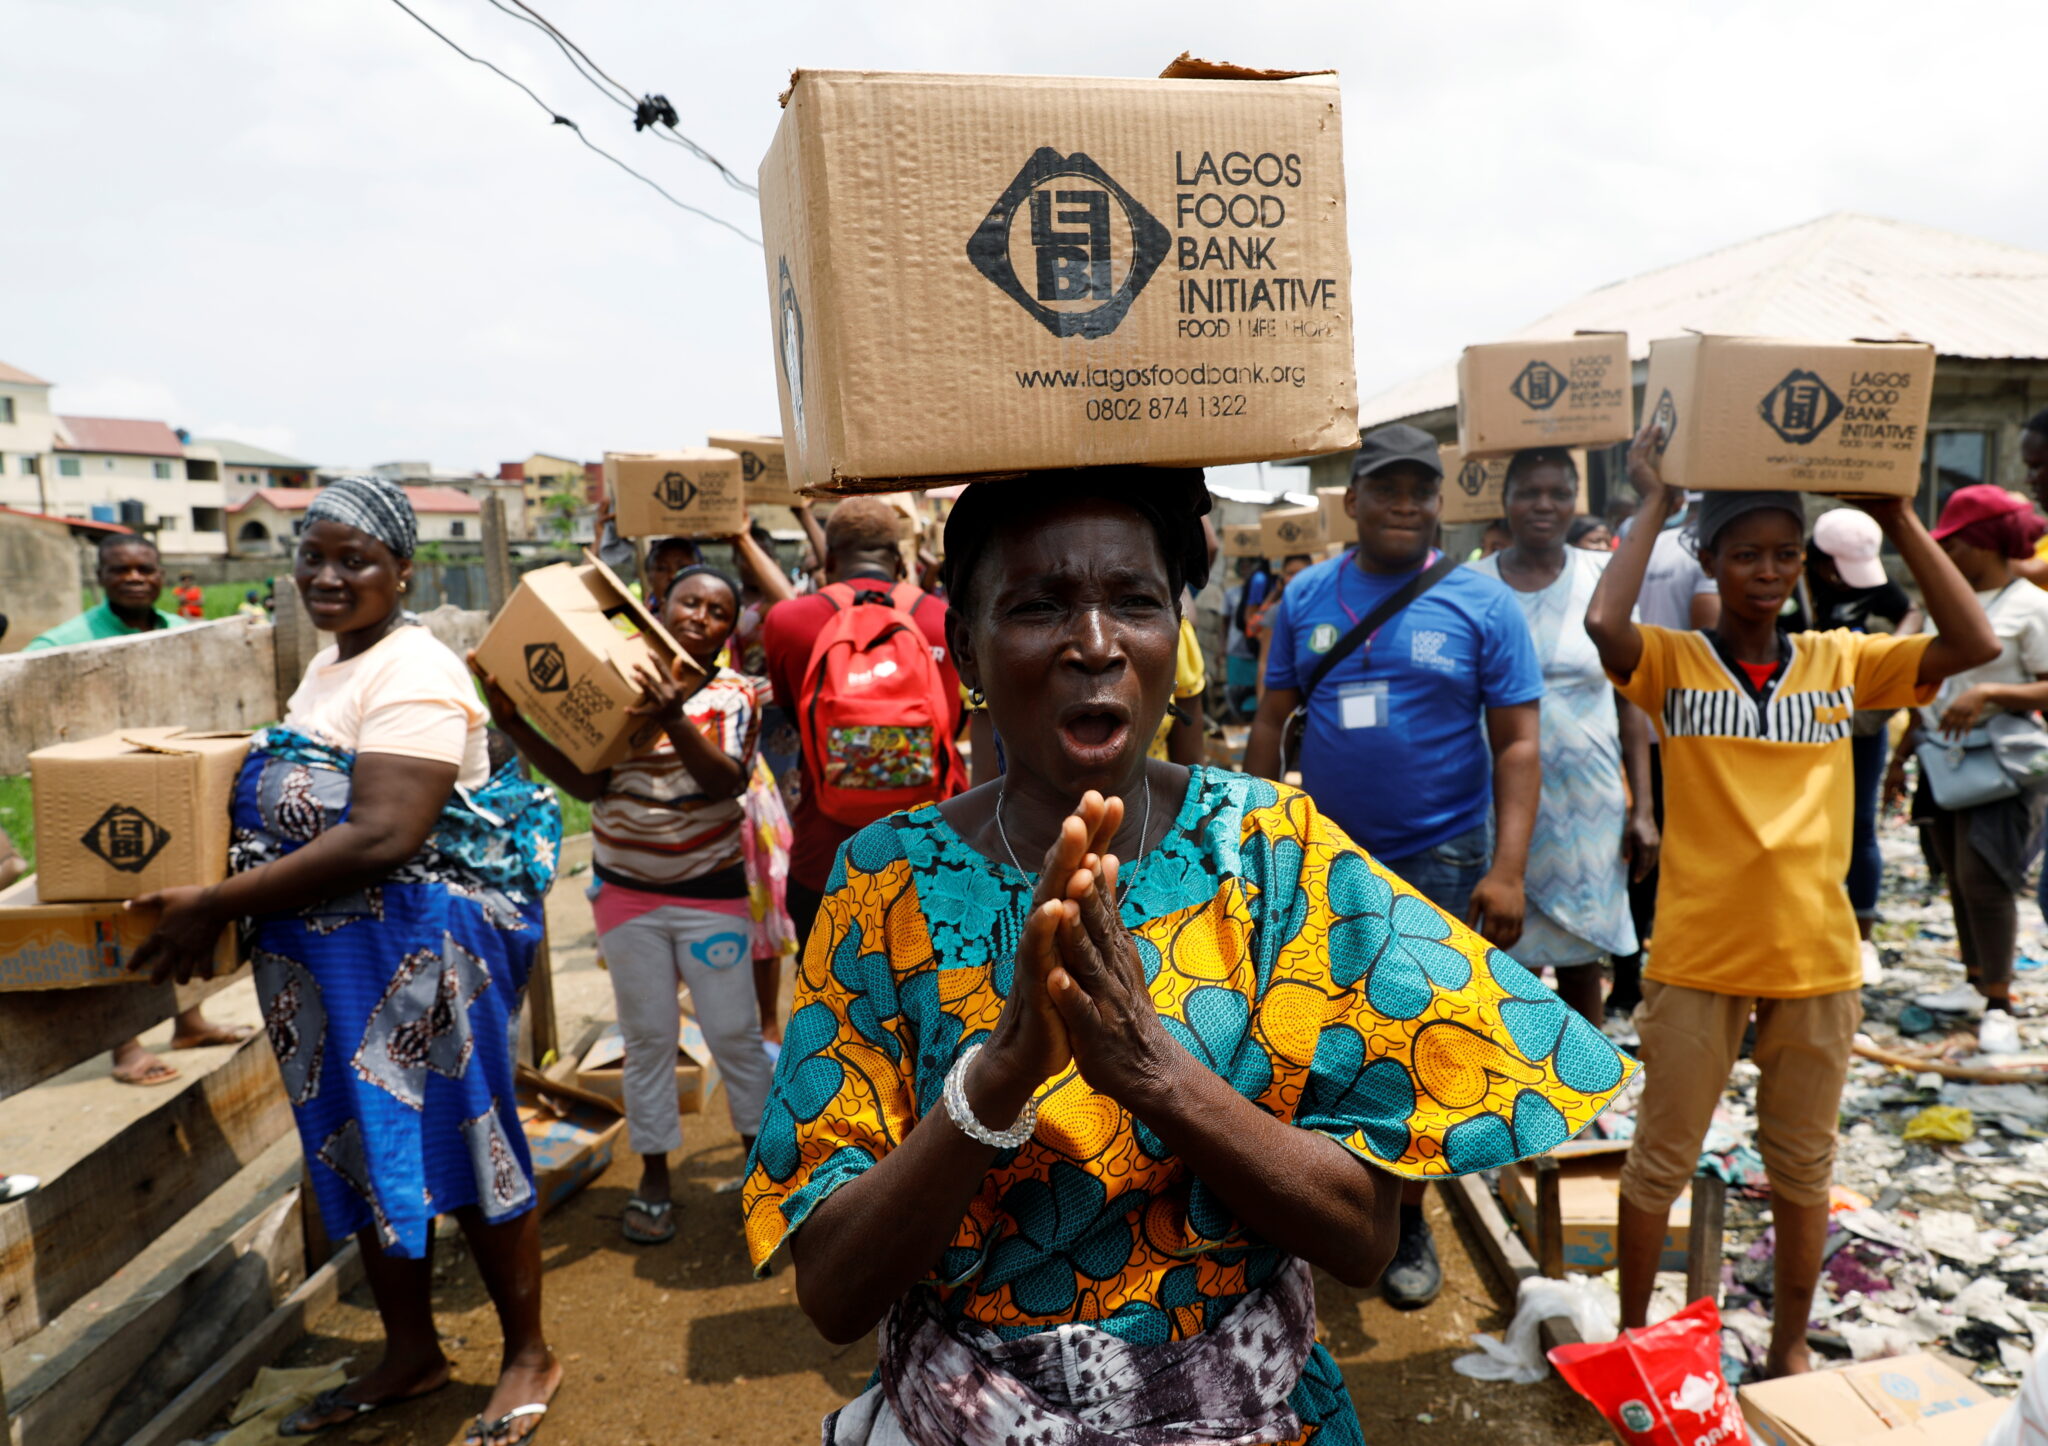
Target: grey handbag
(1995, 760)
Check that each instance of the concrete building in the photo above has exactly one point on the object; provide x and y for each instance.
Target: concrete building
(134, 472)
(266, 521)
(1983, 306)
(45, 575)
(475, 485)
(245, 467)
(543, 476)
(28, 438)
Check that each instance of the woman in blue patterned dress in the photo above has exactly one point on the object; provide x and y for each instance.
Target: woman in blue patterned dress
(1073, 1137)
(393, 882)
(1589, 837)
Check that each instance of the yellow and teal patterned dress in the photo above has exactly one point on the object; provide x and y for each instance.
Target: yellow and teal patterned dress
(1325, 990)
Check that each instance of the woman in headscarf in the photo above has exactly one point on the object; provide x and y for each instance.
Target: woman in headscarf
(1073, 1135)
(394, 885)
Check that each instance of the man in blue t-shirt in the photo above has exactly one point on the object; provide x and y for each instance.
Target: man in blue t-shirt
(1415, 736)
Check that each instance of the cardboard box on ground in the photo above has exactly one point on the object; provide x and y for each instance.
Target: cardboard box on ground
(1589, 1192)
(1746, 412)
(975, 275)
(764, 475)
(1914, 1400)
(558, 652)
(695, 492)
(131, 812)
(1285, 531)
(602, 1068)
(1472, 486)
(1576, 391)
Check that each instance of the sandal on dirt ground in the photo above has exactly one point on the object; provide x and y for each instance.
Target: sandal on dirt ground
(662, 1213)
(212, 1035)
(482, 1433)
(156, 1072)
(327, 1403)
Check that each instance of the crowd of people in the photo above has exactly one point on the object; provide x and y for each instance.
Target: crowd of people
(1076, 1084)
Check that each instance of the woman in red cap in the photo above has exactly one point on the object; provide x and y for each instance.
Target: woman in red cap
(1984, 850)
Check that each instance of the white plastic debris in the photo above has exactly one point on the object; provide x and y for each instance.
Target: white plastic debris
(1589, 1304)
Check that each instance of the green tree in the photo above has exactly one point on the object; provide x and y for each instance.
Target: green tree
(561, 509)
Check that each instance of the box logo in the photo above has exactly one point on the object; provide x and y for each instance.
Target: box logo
(789, 347)
(1800, 407)
(751, 467)
(1069, 245)
(1472, 478)
(1666, 417)
(1540, 385)
(125, 838)
(1290, 530)
(675, 491)
(546, 668)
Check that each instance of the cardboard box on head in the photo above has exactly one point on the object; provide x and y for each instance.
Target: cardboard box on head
(764, 476)
(1744, 413)
(695, 492)
(131, 812)
(971, 275)
(1576, 391)
(1285, 531)
(558, 654)
(1472, 489)
(1241, 540)
(1338, 524)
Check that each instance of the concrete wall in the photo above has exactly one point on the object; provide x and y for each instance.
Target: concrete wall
(211, 675)
(41, 565)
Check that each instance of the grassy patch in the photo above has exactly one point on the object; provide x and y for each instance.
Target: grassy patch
(575, 813)
(18, 816)
(220, 599)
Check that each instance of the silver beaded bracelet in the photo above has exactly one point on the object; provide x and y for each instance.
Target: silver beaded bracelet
(958, 1110)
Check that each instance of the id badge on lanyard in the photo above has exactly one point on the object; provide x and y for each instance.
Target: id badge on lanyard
(1362, 705)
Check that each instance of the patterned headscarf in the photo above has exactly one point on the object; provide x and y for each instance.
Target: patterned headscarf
(369, 505)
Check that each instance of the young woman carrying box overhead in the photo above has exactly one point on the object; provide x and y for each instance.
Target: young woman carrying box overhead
(1751, 912)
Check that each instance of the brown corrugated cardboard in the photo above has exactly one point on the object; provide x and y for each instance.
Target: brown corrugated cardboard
(975, 274)
(1589, 1192)
(74, 945)
(1887, 1402)
(1284, 531)
(558, 654)
(1571, 392)
(128, 813)
(1742, 413)
(696, 492)
(1241, 540)
(764, 476)
(603, 1067)
(1338, 525)
(1472, 486)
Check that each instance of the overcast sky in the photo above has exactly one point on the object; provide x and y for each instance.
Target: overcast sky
(310, 225)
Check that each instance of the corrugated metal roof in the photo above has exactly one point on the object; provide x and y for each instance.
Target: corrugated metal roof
(126, 436)
(1845, 275)
(247, 454)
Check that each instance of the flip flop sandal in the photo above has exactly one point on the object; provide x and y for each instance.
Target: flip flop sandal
(661, 1213)
(493, 1433)
(163, 1074)
(14, 1187)
(218, 1035)
(329, 1402)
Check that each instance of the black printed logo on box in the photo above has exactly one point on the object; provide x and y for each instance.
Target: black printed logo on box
(675, 491)
(1540, 385)
(789, 346)
(751, 467)
(1472, 478)
(1291, 530)
(1666, 417)
(1800, 407)
(546, 668)
(1069, 245)
(125, 838)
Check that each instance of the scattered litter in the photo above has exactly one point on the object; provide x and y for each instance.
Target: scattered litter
(1588, 1302)
(1951, 1123)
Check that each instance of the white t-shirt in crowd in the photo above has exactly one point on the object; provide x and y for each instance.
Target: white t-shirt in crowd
(2019, 615)
(408, 695)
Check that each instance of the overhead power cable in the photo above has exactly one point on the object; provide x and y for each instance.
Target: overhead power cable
(559, 119)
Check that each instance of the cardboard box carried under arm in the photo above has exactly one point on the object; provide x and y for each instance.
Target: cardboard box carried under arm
(1576, 391)
(764, 475)
(1472, 486)
(1285, 531)
(46, 945)
(695, 492)
(558, 653)
(1744, 413)
(131, 812)
(1913, 1400)
(983, 274)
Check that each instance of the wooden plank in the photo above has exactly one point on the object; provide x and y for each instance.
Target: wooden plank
(1549, 1218)
(1703, 1247)
(1473, 1198)
(540, 1006)
(68, 1375)
(208, 1396)
(497, 554)
(47, 1032)
(295, 642)
(96, 1216)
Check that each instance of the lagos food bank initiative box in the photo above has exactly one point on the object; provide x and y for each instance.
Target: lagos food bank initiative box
(1573, 392)
(1746, 412)
(560, 652)
(1285, 531)
(764, 477)
(131, 812)
(975, 274)
(1913, 1400)
(1240, 540)
(1473, 486)
(695, 492)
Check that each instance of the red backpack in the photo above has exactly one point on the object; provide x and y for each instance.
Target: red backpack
(876, 709)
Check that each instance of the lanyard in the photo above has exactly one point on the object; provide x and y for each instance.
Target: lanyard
(1348, 567)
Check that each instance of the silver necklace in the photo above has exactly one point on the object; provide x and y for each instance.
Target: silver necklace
(1144, 832)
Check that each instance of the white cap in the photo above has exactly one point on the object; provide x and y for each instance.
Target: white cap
(1852, 538)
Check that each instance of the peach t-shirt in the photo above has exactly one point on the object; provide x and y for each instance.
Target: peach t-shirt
(408, 695)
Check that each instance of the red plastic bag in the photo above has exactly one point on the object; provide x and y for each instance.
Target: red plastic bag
(1662, 1385)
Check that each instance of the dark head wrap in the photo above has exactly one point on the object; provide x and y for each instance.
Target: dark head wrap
(371, 506)
(1172, 500)
(705, 569)
(2038, 422)
(1715, 510)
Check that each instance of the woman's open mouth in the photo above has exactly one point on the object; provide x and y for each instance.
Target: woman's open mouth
(1094, 734)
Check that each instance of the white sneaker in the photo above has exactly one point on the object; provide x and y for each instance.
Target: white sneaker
(1963, 999)
(1998, 1033)
(1873, 963)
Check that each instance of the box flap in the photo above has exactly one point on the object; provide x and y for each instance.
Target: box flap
(1904, 1389)
(1190, 67)
(180, 741)
(643, 620)
(1816, 1409)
